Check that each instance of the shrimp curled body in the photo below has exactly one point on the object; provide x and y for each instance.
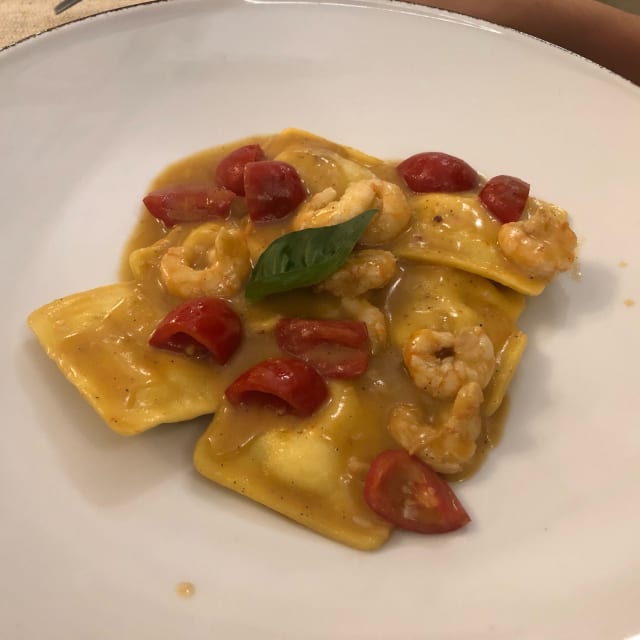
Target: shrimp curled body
(441, 362)
(542, 244)
(325, 208)
(447, 444)
(222, 254)
(364, 270)
(362, 309)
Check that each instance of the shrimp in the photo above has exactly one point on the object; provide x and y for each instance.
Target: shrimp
(364, 270)
(542, 244)
(361, 309)
(222, 254)
(325, 208)
(441, 362)
(445, 444)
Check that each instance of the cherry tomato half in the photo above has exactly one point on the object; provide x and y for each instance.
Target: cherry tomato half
(189, 203)
(336, 348)
(230, 170)
(407, 493)
(434, 171)
(199, 326)
(287, 385)
(505, 197)
(273, 189)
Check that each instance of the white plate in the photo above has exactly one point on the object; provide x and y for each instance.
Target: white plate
(97, 530)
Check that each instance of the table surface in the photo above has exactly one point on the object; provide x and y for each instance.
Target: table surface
(22, 18)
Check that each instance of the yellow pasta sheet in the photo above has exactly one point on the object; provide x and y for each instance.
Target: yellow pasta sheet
(450, 276)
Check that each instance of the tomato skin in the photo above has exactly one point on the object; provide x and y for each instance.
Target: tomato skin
(336, 348)
(273, 190)
(407, 493)
(287, 385)
(199, 326)
(505, 197)
(189, 203)
(230, 170)
(433, 171)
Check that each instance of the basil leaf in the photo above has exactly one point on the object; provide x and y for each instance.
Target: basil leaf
(305, 257)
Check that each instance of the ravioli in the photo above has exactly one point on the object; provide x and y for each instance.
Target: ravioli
(446, 299)
(99, 340)
(310, 470)
(455, 230)
(432, 271)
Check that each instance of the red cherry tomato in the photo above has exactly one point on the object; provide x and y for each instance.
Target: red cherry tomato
(407, 493)
(189, 203)
(273, 189)
(505, 197)
(336, 348)
(230, 170)
(198, 326)
(287, 385)
(434, 171)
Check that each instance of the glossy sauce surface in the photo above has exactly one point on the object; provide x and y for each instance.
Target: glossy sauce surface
(311, 470)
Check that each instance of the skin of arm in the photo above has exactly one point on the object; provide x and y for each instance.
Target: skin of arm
(608, 36)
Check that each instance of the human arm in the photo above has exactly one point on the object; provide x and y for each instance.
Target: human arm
(608, 36)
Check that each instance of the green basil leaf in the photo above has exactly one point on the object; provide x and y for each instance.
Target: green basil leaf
(306, 257)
